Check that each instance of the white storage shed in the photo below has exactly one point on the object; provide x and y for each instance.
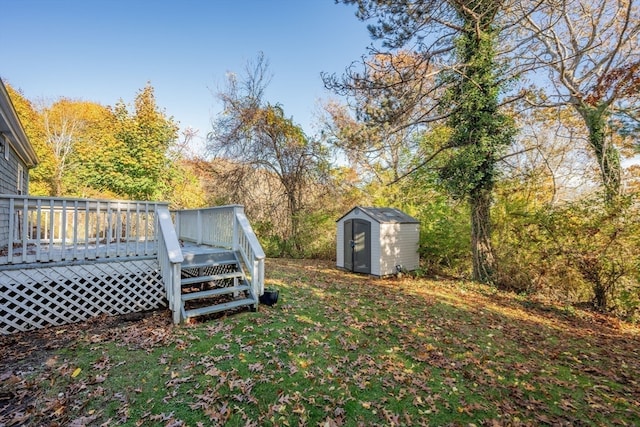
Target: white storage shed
(377, 241)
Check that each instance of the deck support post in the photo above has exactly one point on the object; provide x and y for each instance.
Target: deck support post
(177, 297)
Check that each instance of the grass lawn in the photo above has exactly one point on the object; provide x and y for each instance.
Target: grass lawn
(337, 349)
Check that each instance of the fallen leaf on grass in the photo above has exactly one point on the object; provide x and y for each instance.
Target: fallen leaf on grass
(83, 421)
(176, 380)
(98, 379)
(256, 367)
(330, 422)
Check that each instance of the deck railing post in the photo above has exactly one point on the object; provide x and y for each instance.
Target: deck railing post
(25, 228)
(177, 298)
(176, 222)
(12, 231)
(171, 258)
(235, 242)
(38, 228)
(200, 227)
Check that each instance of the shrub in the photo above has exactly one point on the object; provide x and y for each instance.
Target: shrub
(582, 251)
(445, 245)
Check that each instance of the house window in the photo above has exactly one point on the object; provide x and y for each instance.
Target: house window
(20, 179)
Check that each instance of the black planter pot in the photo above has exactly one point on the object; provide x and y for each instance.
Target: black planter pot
(270, 297)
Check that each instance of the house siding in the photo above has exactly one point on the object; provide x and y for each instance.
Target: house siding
(8, 185)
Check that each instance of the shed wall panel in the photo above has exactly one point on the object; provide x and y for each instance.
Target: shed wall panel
(399, 246)
(340, 244)
(375, 249)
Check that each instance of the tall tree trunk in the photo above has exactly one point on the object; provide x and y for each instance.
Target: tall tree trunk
(482, 133)
(484, 263)
(294, 218)
(606, 153)
(56, 182)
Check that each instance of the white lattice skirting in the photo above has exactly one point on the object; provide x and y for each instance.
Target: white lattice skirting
(38, 297)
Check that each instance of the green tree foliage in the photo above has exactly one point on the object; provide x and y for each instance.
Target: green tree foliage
(184, 189)
(144, 137)
(575, 252)
(95, 152)
(73, 129)
(89, 150)
(462, 36)
(480, 133)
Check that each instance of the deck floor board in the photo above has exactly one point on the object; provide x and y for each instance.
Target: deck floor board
(48, 253)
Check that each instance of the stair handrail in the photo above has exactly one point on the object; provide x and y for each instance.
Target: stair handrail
(170, 258)
(246, 242)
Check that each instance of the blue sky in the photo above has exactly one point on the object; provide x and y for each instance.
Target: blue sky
(103, 51)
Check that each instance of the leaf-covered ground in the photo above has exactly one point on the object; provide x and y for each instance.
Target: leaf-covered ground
(337, 349)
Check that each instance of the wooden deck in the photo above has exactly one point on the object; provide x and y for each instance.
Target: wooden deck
(64, 260)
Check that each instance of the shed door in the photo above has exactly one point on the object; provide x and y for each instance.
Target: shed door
(357, 245)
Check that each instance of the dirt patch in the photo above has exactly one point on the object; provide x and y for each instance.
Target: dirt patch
(25, 349)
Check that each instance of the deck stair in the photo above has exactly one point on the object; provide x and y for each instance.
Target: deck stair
(213, 281)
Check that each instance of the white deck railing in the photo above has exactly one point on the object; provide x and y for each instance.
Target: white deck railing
(225, 227)
(170, 257)
(44, 229)
(246, 242)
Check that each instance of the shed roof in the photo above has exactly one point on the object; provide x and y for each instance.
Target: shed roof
(385, 215)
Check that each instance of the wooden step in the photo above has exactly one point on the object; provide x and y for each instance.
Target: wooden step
(186, 265)
(214, 292)
(209, 259)
(211, 278)
(202, 311)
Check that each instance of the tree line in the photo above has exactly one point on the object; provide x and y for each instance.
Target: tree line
(501, 124)
(90, 150)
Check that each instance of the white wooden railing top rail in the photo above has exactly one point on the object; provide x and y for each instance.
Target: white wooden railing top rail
(45, 229)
